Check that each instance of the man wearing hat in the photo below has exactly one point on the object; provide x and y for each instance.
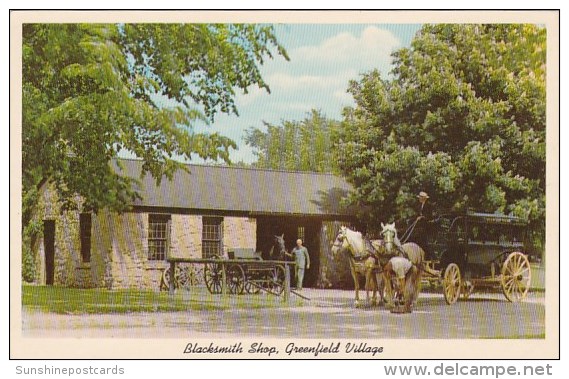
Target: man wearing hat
(421, 232)
(423, 197)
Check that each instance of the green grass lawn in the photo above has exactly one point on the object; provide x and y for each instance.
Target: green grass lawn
(92, 301)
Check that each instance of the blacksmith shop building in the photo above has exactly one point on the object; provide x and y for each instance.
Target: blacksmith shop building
(202, 212)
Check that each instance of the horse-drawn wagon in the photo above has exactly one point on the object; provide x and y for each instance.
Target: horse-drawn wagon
(464, 252)
(470, 251)
(245, 271)
(242, 270)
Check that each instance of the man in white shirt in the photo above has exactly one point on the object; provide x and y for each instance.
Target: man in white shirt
(406, 283)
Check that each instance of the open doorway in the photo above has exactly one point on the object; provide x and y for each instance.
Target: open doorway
(293, 228)
(49, 250)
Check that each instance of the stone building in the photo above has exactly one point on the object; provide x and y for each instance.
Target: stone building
(200, 213)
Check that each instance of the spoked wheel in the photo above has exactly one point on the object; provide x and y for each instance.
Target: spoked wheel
(277, 280)
(235, 279)
(187, 277)
(213, 276)
(184, 277)
(451, 283)
(165, 284)
(516, 277)
(251, 288)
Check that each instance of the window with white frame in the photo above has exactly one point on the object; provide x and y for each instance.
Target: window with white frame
(158, 234)
(212, 236)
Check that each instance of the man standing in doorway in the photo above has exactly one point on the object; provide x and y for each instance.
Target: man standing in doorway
(302, 260)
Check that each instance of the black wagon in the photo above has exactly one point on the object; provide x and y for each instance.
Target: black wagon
(471, 251)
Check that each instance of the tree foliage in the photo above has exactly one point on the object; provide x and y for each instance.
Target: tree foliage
(305, 145)
(462, 117)
(92, 91)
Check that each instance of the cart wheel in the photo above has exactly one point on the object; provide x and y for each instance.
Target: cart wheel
(451, 283)
(516, 277)
(251, 288)
(186, 277)
(165, 284)
(235, 279)
(212, 277)
(180, 278)
(277, 280)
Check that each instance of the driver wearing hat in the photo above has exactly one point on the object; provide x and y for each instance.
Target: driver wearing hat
(422, 196)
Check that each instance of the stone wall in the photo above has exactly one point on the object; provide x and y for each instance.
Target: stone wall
(125, 237)
(119, 246)
(239, 232)
(68, 266)
(119, 249)
(186, 236)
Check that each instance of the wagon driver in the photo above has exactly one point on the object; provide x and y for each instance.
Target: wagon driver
(302, 260)
(425, 211)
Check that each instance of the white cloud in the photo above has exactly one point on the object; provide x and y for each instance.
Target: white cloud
(316, 77)
(372, 49)
(288, 81)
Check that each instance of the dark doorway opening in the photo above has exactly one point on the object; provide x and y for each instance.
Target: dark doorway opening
(49, 249)
(293, 228)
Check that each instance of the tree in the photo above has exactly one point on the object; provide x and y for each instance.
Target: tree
(305, 145)
(462, 117)
(91, 91)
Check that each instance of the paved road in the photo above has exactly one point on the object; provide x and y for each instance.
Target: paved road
(329, 314)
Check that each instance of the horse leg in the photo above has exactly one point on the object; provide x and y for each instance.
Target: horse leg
(356, 282)
(380, 287)
(411, 289)
(367, 285)
(388, 288)
(418, 285)
(375, 286)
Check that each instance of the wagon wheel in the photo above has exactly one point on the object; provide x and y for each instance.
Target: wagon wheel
(212, 277)
(165, 284)
(451, 283)
(235, 279)
(516, 277)
(186, 277)
(277, 279)
(183, 278)
(251, 288)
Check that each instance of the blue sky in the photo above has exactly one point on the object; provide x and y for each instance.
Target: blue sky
(323, 58)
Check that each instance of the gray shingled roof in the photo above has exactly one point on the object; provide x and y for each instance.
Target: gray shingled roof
(233, 189)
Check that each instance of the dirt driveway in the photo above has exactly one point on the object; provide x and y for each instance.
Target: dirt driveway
(329, 314)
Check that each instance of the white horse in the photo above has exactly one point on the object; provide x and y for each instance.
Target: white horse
(393, 246)
(359, 250)
(409, 287)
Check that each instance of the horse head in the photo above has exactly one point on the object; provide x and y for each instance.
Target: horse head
(389, 233)
(349, 240)
(341, 241)
(280, 243)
